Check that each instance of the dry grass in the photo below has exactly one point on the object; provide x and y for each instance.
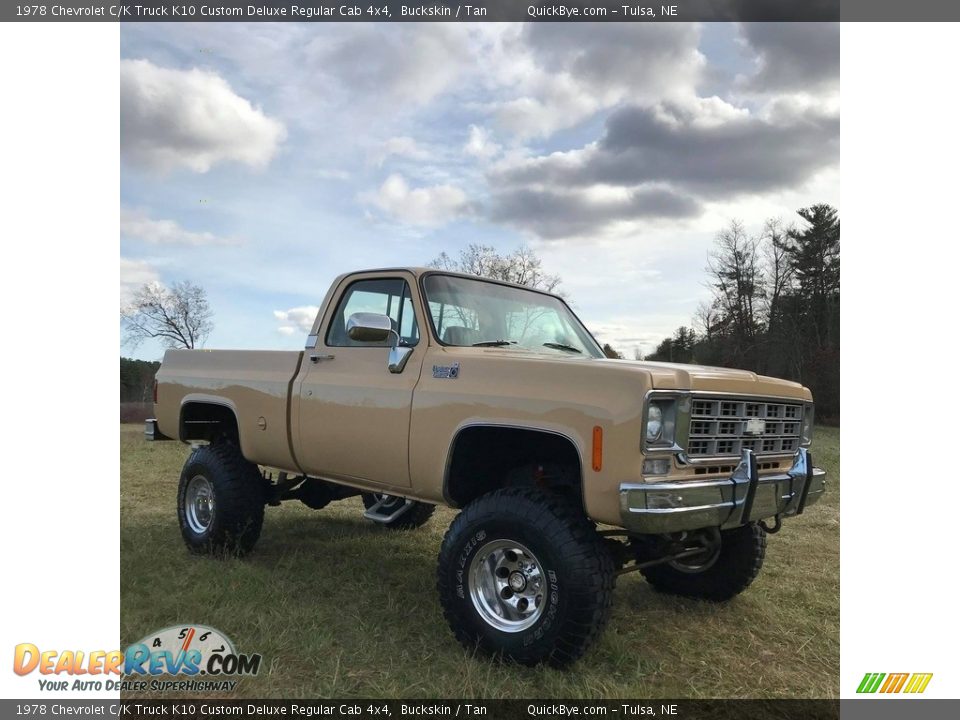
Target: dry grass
(339, 607)
(135, 412)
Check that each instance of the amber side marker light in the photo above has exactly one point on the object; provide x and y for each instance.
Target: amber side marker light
(597, 448)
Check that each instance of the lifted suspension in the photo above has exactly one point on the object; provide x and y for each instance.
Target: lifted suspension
(643, 551)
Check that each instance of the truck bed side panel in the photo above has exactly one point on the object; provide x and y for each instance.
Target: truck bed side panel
(255, 384)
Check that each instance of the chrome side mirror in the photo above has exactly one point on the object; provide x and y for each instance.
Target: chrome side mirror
(374, 327)
(368, 327)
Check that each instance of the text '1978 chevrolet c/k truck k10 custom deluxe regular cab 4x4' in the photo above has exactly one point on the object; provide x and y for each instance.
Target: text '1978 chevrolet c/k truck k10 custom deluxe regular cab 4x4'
(420, 387)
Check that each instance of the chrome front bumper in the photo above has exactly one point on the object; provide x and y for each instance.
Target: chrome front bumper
(665, 507)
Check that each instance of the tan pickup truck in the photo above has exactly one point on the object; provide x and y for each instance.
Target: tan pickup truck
(420, 387)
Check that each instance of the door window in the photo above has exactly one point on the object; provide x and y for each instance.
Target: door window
(386, 296)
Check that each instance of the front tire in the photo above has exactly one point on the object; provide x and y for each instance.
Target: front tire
(724, 576)
(522, 574)
(220, 501)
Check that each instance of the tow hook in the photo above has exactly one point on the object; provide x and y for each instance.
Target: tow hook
(777, 524)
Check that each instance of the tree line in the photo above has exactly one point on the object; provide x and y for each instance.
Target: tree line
(774, 306)
(136, 380)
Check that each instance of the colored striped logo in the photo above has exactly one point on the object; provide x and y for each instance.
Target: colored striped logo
(894, 682)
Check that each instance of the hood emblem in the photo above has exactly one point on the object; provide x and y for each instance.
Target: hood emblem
(755, 426)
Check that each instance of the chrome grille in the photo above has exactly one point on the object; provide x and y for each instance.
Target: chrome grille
(720, 426)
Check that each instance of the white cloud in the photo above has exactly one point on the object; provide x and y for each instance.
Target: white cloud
(136, 225)
(480, 145)
(411, 63)
(402, 146)
(430, 206)
(631, 337)
(298, 319)
(551, 76)
(192, 119)
(134, 274)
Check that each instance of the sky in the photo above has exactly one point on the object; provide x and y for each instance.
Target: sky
(262, 160)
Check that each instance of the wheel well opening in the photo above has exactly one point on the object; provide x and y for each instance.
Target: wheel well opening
(486, 458)
(208, 421)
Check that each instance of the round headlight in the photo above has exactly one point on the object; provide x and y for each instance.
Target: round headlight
(654, 423)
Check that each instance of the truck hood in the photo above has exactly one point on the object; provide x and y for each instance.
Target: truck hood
(676, 376)
(661, 376)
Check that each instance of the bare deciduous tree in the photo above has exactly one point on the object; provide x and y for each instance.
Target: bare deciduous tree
(706, 318)
(738, 284)
(178, 316)
(776, 259)
(523, 266)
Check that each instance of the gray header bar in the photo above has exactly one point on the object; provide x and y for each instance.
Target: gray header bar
(481, 11)
(478, 10)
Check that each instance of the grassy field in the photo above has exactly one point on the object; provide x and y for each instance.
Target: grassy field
(339, 607)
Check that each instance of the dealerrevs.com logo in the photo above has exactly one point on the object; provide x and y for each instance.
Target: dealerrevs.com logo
(911, 683)
(202, 657)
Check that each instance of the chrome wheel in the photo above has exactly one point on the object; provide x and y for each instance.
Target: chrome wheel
(199, 504)
(507, 585)
(699, 562)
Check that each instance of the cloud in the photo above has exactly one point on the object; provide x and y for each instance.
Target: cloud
(627, 336)
(402, 146)
(171, 119)
(792, 56)
(551, 76)
(136, 225)
(134, 274)
(480, 145)
(407, 63)
(553, 213)
(429, 206)
(298, 319)
(666, 160)
(628, 154)
(748, 153)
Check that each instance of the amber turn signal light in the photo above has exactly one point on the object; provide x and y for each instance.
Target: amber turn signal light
(597, 448)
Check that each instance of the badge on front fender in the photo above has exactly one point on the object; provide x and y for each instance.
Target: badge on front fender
(447, 372)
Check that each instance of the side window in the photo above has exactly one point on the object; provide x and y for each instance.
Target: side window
(407, 319)
(388, 296)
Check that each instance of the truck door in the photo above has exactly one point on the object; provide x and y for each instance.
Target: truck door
(354, 414)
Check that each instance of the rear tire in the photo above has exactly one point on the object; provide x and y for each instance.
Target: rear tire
(523, 575)
(736, 566)
(220, 501)
(413, 518)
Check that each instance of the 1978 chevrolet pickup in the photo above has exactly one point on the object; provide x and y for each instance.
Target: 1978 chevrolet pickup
(420, 387)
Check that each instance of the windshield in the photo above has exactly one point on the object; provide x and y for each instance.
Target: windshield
(477, 313)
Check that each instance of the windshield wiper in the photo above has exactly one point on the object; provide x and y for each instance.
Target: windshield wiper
(494, 343)
(561, 346)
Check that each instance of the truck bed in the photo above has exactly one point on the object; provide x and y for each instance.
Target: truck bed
(255, 384)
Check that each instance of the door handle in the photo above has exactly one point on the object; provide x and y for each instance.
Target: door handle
(318, 358)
